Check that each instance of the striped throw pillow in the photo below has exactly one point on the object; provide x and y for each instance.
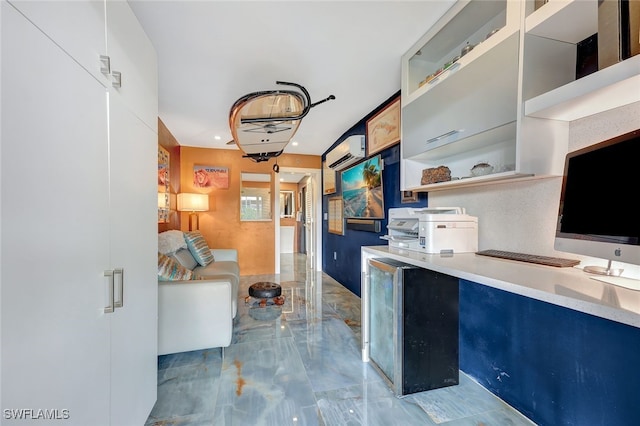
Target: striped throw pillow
(198, 247)
(170, 270)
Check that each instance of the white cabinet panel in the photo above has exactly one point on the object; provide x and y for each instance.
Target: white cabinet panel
(78, 198)
(55, 335)
(133, 200)
(78, 27)
(478, 98)
(133, 56)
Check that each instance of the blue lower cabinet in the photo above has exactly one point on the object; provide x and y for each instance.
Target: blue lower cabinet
(555, 365)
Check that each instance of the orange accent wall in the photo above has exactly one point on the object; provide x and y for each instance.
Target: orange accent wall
(221, 225)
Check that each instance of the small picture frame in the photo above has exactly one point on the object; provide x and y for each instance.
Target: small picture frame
(383, 129)
(328, 179)
(163, 185)
(335, 216)
(211, 177)
(409, 197)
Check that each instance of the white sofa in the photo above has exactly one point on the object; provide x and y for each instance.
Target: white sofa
(198, 314)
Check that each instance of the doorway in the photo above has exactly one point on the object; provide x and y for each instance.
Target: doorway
(308, 210)
(302, 241)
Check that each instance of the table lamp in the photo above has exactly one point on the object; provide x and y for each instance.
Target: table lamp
(193, 203)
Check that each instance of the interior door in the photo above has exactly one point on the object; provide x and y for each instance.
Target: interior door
(310, 223)
(303, 208)
(54, 229)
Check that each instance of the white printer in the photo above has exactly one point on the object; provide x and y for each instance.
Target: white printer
(432, 230)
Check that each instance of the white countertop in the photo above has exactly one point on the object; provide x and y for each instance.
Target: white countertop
(568, 287)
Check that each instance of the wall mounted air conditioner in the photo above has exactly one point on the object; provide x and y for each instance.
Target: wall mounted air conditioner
(348, 152)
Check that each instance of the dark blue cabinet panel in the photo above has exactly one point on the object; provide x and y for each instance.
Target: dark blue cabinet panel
(555, 365)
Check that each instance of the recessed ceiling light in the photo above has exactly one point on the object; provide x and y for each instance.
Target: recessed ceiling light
(216, 137)
(294, 143)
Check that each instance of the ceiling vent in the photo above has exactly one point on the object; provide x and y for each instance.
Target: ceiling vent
(348, 152)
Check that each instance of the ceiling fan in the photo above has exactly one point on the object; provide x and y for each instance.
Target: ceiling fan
(262, 123)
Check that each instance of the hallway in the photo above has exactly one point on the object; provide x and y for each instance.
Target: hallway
(300, 364)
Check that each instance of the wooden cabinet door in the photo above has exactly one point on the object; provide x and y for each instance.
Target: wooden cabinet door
(54, 229)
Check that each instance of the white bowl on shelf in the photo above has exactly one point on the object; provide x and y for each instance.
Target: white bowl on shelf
(481, 169)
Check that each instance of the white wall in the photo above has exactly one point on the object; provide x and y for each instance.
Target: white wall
(286, 238)
(521, 216)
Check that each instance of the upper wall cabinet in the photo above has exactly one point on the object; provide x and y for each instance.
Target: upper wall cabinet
(552, 32)
(133, 61)
(489, 91)
(113, 47)
(467, 31)
(460, 94)
(85, 17)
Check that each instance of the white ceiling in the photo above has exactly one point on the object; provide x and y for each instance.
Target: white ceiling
(210, 53)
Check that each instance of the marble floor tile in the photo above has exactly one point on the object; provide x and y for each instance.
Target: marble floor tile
(369, 403)
(501, 417)
(187, 388)
(331, 355)
(300, 364)
(264, 383)
(456, 402)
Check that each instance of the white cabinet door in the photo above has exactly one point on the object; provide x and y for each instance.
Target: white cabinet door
(133, 118)
(133, 152)
(88, 29)
(133, 56)
(78, 27)
(78, 198)
(54, 230)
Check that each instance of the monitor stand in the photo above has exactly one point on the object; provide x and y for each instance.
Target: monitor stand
(630, 283)
(601, 270)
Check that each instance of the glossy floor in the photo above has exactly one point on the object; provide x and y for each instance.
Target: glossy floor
(300, 364)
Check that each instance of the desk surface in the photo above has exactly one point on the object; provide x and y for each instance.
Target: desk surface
(568, 287)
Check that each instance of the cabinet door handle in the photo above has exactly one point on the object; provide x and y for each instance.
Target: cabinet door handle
(116, 79)
(120, 302)
(109, 308)
(105, 65)
(444, 135)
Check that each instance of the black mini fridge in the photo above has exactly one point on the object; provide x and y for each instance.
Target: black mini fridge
(412, 326)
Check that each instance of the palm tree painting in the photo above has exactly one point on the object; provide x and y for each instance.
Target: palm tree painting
(362, 190)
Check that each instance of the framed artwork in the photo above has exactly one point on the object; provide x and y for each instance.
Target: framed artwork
(409, 197)
(383, 129)
(163, 185)
(335, 217)
(362, 190)
(211, 177)
(328, 179)
(163, 169)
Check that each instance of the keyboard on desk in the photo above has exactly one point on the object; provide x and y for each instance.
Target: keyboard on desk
(530, 258)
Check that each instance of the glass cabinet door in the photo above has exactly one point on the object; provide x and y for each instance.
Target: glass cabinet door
(382, 321)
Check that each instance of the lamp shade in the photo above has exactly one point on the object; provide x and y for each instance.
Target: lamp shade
(162, 200)
(193, 202)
